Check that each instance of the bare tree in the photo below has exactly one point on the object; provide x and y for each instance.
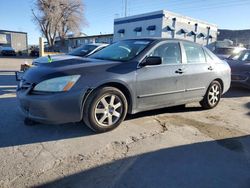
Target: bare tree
(56, 18)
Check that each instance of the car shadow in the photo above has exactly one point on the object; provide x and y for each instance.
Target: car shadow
(235, 92)
(219, 163)
(14, 132)
(248, 107)
(169, 110)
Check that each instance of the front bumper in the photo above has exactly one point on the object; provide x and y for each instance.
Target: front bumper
(54, 108)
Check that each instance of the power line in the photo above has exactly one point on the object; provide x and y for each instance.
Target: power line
(204, 7)
(189, 3)
(215, 6)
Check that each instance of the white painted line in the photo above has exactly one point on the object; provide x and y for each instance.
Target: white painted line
(3, 87)
(7, 73)
(4, 96)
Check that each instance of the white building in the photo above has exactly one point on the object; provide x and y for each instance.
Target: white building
(165, 24)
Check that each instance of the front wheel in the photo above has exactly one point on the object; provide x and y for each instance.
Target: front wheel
(105, 109)
(213, 95)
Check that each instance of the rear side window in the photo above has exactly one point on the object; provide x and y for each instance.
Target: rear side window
(208, 56)
(194, 53)
(211, 56)
(169, 52)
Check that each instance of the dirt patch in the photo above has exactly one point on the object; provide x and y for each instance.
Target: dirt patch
(213, 131)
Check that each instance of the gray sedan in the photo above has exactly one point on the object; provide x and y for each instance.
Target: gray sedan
(128, 76)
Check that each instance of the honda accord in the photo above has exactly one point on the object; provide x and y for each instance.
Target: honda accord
(128, 76)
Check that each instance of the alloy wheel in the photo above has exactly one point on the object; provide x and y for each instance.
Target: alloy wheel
(108, 110)
(214, 95)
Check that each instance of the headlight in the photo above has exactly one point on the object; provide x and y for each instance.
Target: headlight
(58, 84)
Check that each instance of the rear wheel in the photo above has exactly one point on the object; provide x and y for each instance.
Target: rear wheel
(105, 109)
(213, 95)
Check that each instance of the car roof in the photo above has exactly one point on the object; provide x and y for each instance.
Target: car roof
(98, 44)
(159, 39)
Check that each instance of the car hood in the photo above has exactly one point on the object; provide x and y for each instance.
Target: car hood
(67, 66)
(54, 58)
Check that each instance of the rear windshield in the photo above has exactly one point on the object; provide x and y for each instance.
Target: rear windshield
(83, 50)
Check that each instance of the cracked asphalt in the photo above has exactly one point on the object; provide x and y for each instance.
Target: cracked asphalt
(171, 147)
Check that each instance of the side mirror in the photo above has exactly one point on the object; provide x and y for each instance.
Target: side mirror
(152, 60)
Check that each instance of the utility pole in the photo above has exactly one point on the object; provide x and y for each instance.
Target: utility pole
(125, 8)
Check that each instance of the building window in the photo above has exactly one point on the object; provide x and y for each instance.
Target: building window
(210, 38)
(151, 29)
(183, 31)
(170, 28)
(201, 35)
(152, 32)
(138, 31)
(121, 32)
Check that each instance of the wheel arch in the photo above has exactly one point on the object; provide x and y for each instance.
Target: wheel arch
(221, 83)
(124, 89)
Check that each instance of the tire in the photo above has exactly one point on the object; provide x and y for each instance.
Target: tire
(105, 109)
(213, 96)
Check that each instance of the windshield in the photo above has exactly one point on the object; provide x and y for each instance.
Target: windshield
(234, 56)
(83, 50)
(244, 56)
(122, 50)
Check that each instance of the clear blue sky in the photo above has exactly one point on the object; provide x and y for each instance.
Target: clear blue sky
(227, 14)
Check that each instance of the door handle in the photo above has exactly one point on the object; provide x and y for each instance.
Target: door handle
(180, 71)
(210, 68)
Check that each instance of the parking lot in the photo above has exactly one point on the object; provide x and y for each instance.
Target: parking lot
(171, 147)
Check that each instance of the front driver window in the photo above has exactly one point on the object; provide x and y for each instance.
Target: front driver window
(169, 52)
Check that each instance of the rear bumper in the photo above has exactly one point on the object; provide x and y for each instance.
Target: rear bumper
(55, 108)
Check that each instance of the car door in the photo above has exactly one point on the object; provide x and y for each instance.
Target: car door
(161, 85)
(198, 72)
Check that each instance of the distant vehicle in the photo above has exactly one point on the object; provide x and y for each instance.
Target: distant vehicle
(7, 51)
(240, 69)
(87, 49)
(226, 52)
(129, 76)
(34, 52)
(82, 51)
